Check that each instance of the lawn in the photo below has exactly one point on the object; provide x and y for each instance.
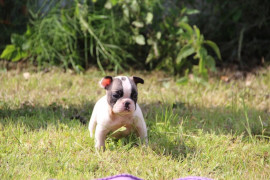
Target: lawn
(219, 129)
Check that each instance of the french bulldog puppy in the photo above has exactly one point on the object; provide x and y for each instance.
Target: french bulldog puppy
(116, 109)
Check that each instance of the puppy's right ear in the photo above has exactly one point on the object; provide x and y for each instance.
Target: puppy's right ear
(106, 82)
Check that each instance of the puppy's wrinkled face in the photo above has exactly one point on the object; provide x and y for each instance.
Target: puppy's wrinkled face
(121, 93)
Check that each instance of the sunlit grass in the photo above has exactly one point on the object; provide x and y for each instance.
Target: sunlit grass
(219, 130)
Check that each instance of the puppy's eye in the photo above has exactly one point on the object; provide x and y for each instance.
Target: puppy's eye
(134, 96)
(116, 96)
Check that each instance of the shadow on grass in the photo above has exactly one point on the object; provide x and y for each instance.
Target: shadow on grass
(169, 126)
(37, 116)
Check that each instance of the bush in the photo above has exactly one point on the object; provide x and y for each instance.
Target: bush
(114, 34)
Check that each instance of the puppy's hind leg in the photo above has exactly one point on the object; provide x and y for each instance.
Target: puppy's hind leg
(141, 129)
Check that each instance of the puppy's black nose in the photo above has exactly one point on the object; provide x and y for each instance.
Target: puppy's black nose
(127, 104)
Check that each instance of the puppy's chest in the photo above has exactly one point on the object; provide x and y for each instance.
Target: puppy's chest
(127, 121)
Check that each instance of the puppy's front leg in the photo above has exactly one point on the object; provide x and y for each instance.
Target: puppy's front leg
(100, 136)
(92, 124)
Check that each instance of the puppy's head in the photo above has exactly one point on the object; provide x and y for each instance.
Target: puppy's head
(121, 92)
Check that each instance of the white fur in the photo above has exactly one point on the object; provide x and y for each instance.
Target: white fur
(103, 121)
(119, 106)
(126, 86)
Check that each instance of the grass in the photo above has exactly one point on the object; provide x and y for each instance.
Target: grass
(219, 130)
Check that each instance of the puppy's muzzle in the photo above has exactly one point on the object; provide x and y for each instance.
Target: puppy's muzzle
(127, 105)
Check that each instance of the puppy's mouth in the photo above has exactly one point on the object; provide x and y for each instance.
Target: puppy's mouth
(123, 108)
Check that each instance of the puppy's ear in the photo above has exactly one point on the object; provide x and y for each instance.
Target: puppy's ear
(106, 82)
(137, 80)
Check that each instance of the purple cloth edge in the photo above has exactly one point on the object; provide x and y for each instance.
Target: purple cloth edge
(119, 176)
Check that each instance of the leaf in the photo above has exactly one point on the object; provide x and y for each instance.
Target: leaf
(214, 47)
(149, 58)
(77, 10)
(79, 68)
(19, 55)
(13, 53)
(121, 129)
(114, 2)
(8, 52)
(138, 24)
(183, 10)
(210, 63)
(158, 35)
(201, 55)
(182, 81)
(139, 39)
(186, 27)
(150, 41)
(17, 39)
(149, 18)
(135, 7)
(183, 19)
(26, 45)
(192, 11)
(198, 35)
(186, 51)
(108, 5)
(202, 52)
(28, 32)
(95, 17)
(180, 31)
(125, 11)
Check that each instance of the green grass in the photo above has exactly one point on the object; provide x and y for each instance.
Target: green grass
(219, 130)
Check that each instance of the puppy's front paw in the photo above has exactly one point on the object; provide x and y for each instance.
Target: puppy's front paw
(100, 148)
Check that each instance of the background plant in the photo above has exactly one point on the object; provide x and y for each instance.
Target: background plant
(114, 34)
(76, 36)
(163, 28)
(134, 33)
(19, 48)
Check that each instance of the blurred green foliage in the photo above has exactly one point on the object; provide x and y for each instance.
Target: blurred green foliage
(114, 34)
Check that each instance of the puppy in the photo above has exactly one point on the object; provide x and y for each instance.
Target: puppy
(116, 109)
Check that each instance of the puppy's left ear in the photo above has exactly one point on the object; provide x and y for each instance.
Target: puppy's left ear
(137, 80)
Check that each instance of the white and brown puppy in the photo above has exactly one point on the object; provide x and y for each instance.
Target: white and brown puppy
(116, 109)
